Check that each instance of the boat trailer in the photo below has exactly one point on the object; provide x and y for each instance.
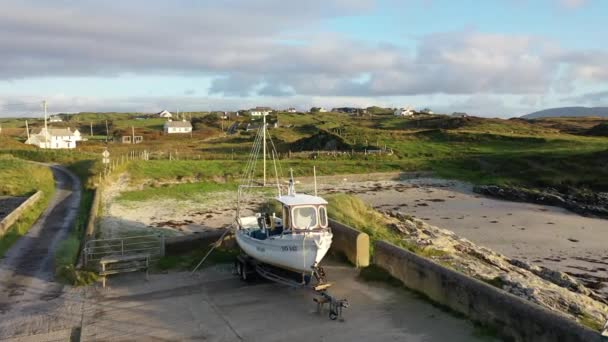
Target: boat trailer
(247, 268)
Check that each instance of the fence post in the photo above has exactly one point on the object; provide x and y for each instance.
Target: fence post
(122, 247)
(85, 255)
(162, 244)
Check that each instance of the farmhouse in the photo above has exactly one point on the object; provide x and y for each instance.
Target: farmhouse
(260, 111)
(172, 127)
(55, 138)
(409, 111)
(55, 118)
(165, 114)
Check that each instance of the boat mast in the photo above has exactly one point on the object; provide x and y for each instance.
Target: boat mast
(264, 143)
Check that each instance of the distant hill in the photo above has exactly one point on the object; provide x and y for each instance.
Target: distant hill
(568, 111)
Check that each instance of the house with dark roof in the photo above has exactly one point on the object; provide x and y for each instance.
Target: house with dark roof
(172, 127)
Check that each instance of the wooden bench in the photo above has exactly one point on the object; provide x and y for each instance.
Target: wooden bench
(123, 264)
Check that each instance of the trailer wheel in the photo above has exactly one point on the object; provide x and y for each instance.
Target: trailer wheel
(333, 315)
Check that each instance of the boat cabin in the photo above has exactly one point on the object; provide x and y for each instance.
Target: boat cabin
(303, 212)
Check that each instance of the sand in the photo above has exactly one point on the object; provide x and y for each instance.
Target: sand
(540, 234)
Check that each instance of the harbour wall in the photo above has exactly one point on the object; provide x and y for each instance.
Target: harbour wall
(513, 317)
(351, 243)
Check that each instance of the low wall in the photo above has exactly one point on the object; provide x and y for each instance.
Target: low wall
(11, 218)
(90, 230)
(512, 316)
(351, 243)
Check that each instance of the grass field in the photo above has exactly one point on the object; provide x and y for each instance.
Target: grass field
(20, 178)
(548, 152)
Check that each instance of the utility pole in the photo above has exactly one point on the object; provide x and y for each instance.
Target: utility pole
(91, 129)
(27, 130)
(46, 129)
(132, 135)
(107, 131)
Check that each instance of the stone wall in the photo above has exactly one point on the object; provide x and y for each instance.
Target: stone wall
(351, 243)
(90, 230)
(513, 317)
(11, 218)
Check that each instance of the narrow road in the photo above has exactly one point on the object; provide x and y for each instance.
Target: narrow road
(31, 302)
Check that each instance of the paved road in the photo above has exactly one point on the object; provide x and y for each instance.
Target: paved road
(30, 301)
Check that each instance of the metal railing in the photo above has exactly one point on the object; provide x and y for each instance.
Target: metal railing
(153, 244)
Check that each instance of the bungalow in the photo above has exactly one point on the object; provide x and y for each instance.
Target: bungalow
(54, 138)
(55, 118)
(165, 114)
(460, 114)
(291, 110)
(409, 111)
(183, 126)
(260, 111)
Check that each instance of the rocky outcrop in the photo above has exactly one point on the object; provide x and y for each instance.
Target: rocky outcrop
(551, 289)
(583, 203)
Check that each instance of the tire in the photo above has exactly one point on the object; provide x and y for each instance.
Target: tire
(333, 315)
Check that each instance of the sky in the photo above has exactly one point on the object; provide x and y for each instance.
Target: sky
(494, 58)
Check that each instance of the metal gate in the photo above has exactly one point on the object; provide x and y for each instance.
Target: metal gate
(153, 245)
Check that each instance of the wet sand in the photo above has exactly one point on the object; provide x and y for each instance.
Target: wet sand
(543, 235)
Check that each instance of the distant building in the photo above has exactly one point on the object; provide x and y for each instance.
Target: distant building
(426, 111)
(54, 138)
(260, 111)
(347, 110)
(129, 139)
(55, 118)
(291, 110)
(172, 127)
(460, 114)
(165, 114)
(322, 110)
(409, 111)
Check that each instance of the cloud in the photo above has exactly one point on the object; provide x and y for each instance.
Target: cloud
(599, 98)
(279, 50)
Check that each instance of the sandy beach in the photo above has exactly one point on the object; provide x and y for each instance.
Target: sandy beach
(539, 234)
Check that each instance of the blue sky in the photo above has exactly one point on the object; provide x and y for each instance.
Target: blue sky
(498, 58)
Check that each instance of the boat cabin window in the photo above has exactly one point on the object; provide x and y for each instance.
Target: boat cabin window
(304, 217)
(323, 216)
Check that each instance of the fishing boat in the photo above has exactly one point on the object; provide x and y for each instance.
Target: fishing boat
(295, 239)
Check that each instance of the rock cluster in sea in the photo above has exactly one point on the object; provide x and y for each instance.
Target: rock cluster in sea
(581, 202)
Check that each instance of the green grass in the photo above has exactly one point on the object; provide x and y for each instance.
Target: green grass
(183, 192)
(352, 211)
(20, 178)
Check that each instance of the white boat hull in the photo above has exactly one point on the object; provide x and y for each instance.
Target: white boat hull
(296, 252)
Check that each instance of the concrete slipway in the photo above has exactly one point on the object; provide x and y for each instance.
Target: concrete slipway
(215, 306)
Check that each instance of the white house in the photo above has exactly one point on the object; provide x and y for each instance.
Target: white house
(172, 127)
(165, 114)
(322, 110)
(426, 111)
(409, 111)
(55, 118)
(291, 110)
(260, 111)
(55, 138)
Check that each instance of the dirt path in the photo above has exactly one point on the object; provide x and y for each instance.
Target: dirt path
(30, 301)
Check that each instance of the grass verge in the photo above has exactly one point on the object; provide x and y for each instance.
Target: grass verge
(20, 178)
